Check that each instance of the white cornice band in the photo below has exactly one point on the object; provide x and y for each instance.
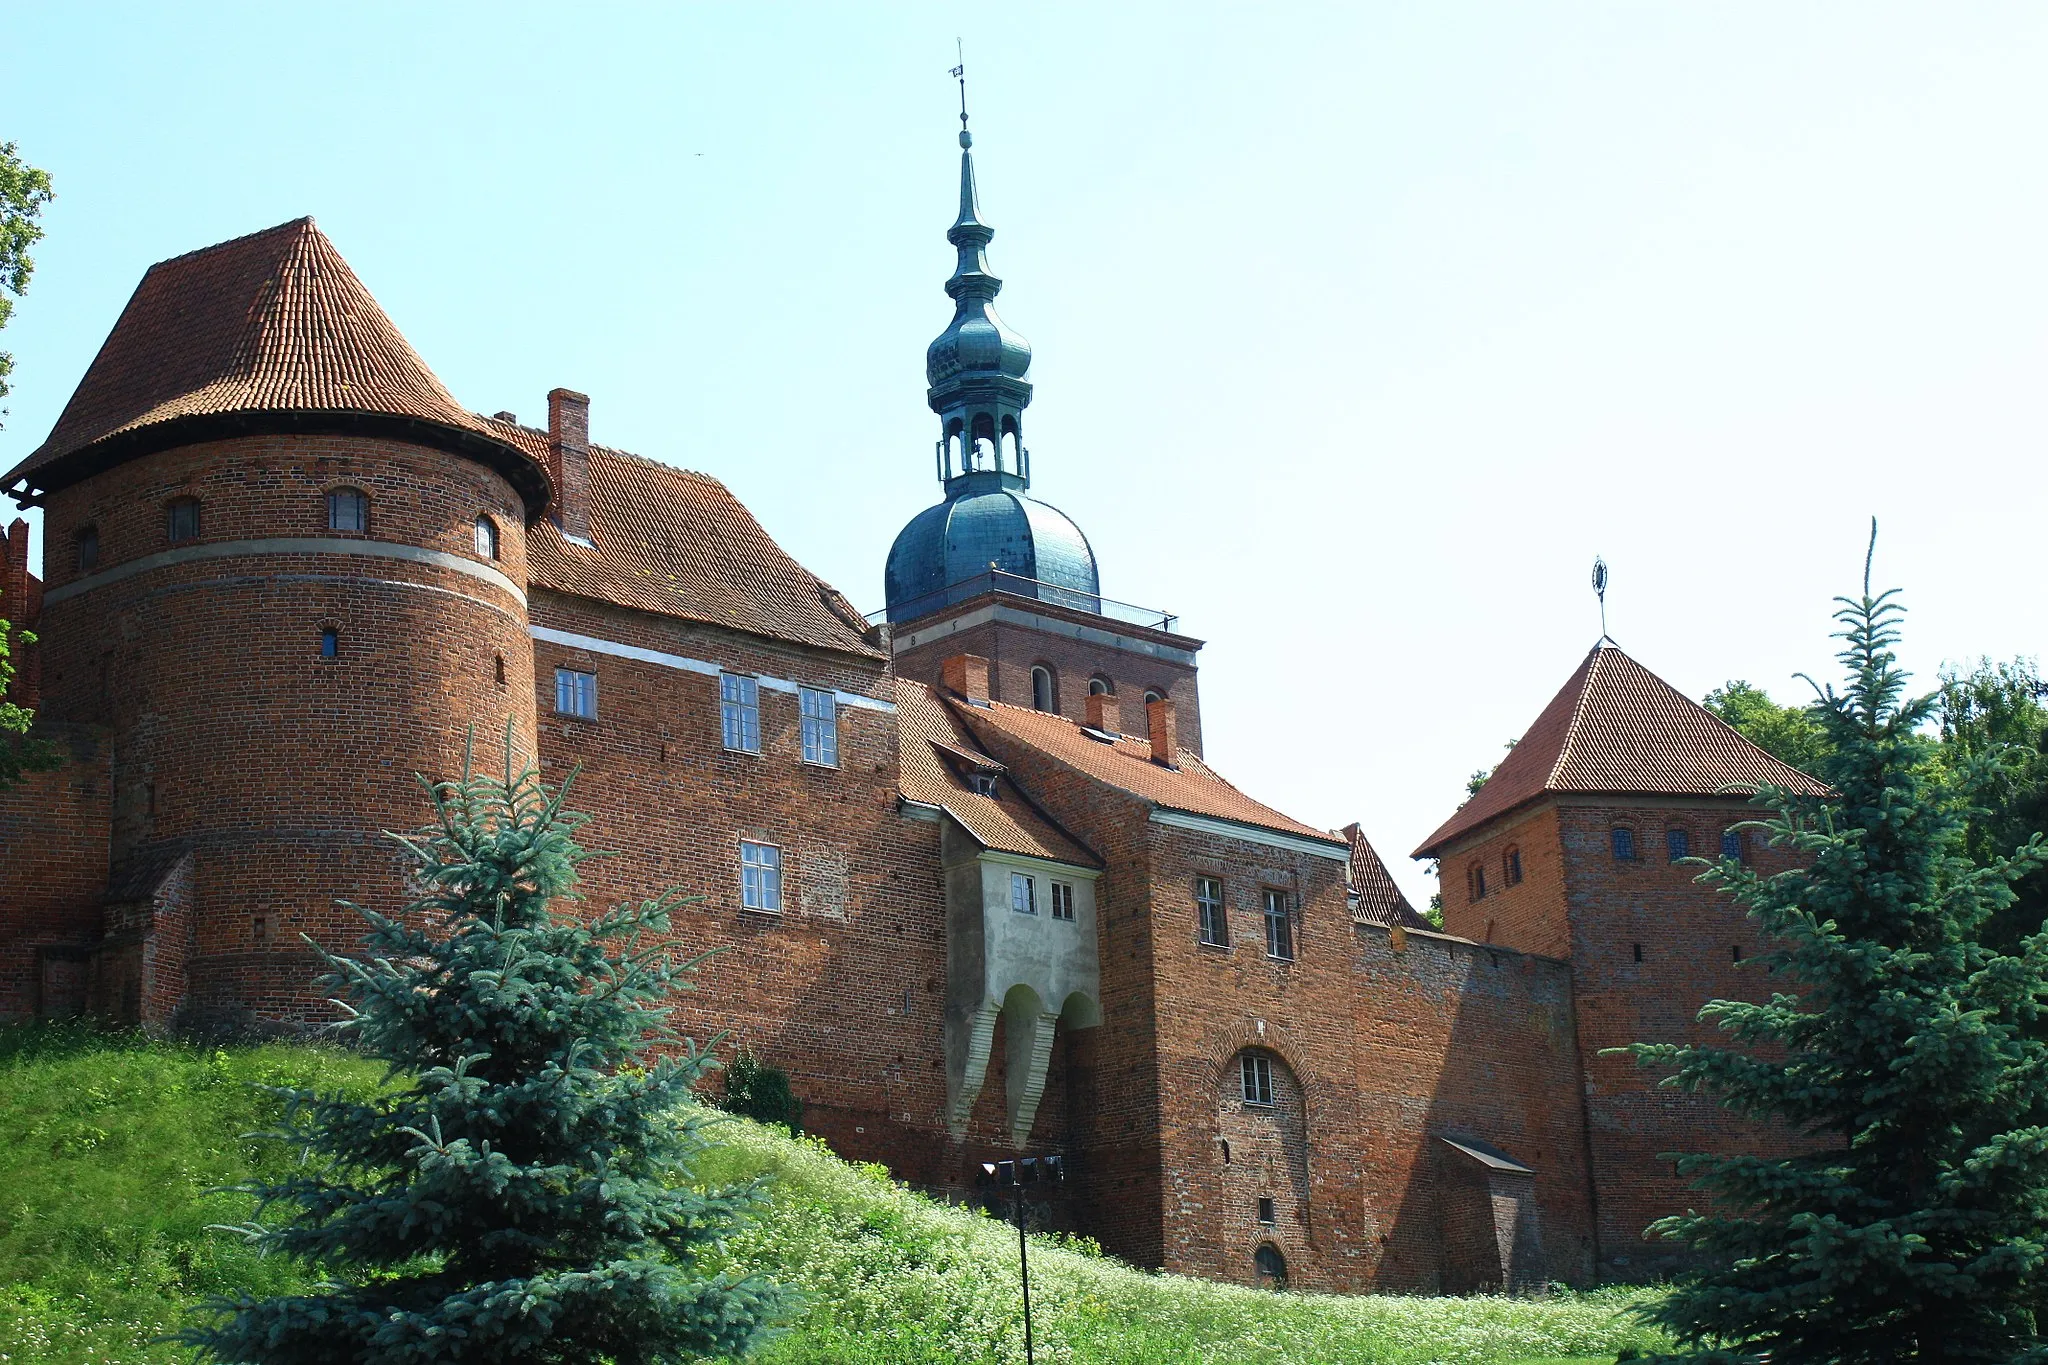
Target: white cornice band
(286, 545)
(1252, 834)
(688, 665)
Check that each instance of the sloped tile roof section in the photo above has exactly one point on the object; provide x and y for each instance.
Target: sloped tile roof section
(931, 736)
(1375, 897)
(269, 332)
(1127, 764)
(679, 543)
(1618, 729)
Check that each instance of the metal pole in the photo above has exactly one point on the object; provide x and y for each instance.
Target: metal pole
(1024, 1267)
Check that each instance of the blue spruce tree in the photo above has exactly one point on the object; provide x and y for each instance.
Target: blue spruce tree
(1904, 1052)
(518, 1192)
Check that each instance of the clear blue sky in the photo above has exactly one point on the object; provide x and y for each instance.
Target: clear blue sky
(1360, 329)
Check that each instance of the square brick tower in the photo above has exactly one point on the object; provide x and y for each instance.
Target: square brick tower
(1577, 848)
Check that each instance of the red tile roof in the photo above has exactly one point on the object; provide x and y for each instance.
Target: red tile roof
(1618, 729)
(1376, 899)
(269, 331)
(679, 543)
(931, 736)
(1127, 764)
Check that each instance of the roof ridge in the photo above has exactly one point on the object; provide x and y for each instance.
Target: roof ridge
(1571, 731)
(653, 463)
(302, 222)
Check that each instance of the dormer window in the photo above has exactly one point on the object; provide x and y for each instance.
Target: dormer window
(984, 784)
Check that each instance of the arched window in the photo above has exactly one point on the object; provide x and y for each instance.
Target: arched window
(1099, 687)
(1677, 843)
(1042, 696)
(1511, 866)
(348, 509)
(1153, 694)
(487, 537)
(1475, 881)
(1624, 840)
(1731, 844)
(181, 519)
(1272, 1267)
(87, 544)
(983, 441)
(330, 642)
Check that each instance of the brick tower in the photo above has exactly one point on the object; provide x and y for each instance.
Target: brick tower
(1573, 850)
(286, 572)
(993, 572)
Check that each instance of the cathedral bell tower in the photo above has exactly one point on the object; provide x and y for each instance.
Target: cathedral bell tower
(993, 571)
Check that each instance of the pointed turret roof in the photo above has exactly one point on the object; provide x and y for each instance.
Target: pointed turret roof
(269, 332)
(1618, 729)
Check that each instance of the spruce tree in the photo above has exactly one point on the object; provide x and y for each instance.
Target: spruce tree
(518, 1191)
(1903, 1053)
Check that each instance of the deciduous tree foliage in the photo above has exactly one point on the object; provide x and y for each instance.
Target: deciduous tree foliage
(1905, 1049)
(23, 192)
(519, 1191)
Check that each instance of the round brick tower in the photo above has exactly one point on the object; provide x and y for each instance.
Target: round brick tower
(286, 571)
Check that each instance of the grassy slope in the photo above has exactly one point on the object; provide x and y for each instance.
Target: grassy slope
(108, 1146)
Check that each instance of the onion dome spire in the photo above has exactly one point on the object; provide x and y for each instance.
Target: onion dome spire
(978, 369)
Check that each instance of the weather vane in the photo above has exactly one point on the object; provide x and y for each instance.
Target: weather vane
(1600, 591)
(959, 73)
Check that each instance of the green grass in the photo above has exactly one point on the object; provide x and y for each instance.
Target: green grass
(107, 1146)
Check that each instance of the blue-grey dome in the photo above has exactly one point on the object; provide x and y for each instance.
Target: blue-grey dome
(943, 555)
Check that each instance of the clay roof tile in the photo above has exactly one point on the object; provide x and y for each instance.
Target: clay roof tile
(1006, 823)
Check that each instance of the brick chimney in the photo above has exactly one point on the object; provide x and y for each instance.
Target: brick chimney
(1105, 713)
(569, 460)
(966, 675)
(1159, 720)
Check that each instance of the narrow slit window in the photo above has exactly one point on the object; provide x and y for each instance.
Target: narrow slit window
(576, 693)
(330, 643)
(739, 709)
(501, 670)
(1511, 867)
(1063, 900)
(1209, 912)
(1256, 1074)
(88, 545)
(760, 877)
(1279, 926)
(348, 509)
(820, 726)
(1023, 894)
(1638, 951)
(1475, 882)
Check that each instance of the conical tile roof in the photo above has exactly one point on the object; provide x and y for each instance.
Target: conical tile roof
(267, 332)
(1617, 728)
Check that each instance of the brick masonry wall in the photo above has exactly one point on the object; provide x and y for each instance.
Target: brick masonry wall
(845, 988)
(1528, 915)
(1462, 1040)
(1688, 936)
(1012, 650)
(54, 828)
(231, 736)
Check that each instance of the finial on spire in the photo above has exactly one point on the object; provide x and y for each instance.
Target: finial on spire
(960, 74)
(1600, 591)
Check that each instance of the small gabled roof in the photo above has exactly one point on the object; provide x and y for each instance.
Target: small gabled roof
(934, 749)
(267, 332)
(1375, 899)
(1616, 728)
(679, 543)
(1126, 763)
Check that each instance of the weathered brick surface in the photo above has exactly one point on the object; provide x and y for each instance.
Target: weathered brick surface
(53, 829)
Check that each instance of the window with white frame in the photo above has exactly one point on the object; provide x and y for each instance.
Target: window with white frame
(1062, 900)
(739, 709)
(1023, 894)
(348, 509)
(820, 726)
(576, 693)
(1256, 1072)
(1043, 698)
(760, 876)
(984, 784)
(486, 538)
(1279, 926)
(1209, 912)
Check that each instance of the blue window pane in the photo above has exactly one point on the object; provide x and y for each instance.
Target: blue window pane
(739, 706)
(820, 726)
(760, 876)
(1624, 844)
(1678, 844)
(1731, 843)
